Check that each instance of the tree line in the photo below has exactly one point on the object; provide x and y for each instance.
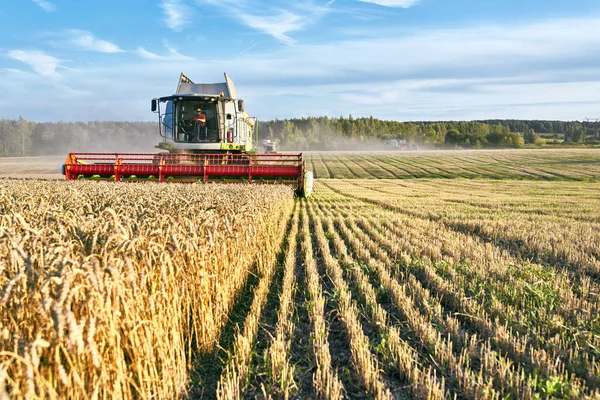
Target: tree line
(339, 133)
(20, 137)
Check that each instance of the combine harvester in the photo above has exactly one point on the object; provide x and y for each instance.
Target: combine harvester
(215, 144)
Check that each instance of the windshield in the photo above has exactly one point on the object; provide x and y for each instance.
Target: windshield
(193, 126)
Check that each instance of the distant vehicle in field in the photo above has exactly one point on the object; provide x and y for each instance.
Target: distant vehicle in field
(401, 144)
(268, 146)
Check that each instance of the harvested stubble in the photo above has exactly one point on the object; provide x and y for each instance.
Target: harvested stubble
(498, 311)
(108, 291)
(536, 164)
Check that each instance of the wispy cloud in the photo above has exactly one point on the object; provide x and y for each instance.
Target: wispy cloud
(252, 45)
(45, 4)
(148, 55)
(173, 54)
(85, 40)
(277, 25)
(176, 14)
(39, 61)
(393, 3)
(274, 21)
(70, 39)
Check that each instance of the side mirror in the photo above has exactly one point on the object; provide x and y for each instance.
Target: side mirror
(154, 105)
(228, 116)
(241, 105)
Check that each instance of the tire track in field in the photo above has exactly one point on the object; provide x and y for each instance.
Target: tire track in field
(444, 173)
(351, 172)
(426, 173)
(491, 172)
(350, 159)
(389, 161)
(475, 167)
(331, 175)
(369, 159)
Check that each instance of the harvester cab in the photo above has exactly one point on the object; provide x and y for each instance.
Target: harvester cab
(207, 136)
(205, 117)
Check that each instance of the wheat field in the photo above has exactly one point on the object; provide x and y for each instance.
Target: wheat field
(439, 287)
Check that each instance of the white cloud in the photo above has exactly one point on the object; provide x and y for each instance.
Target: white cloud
(176, 55)
(148, 55)
(40, 62)
(173, 54)
(176, 14)
(276, 25)
(87, 41)
(393, 3)
(276, 22)
(46, 5)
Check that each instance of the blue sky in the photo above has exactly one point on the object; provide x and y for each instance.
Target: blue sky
(392, 59)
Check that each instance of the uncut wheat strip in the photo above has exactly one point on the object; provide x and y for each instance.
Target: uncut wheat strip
(281, 371)
(67, 293)
(124, 245)
(519, 348)
(424, 385)
(234, 374)
(363, 359)
(325, 380)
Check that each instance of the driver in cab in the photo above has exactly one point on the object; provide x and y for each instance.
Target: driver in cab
(199, 125)
(199, 117)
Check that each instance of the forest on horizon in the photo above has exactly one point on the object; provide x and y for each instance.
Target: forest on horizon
(19, 137)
